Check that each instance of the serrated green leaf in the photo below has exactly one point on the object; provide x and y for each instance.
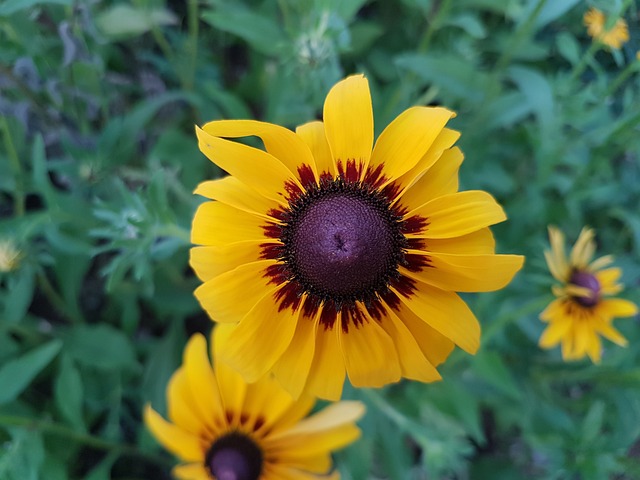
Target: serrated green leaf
(17, 374)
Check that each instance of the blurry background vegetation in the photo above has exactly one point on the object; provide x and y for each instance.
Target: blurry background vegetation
(98, 160)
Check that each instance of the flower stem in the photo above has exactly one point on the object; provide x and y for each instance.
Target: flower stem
(92, 441)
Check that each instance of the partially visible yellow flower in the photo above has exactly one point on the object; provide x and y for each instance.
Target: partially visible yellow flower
(582, 310)
(614, 37)
(9, 256)
(225, 429)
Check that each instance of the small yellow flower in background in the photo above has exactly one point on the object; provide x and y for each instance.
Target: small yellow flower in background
(330, 254)
(615, 37)
(9, 256)
(225, 429)
(582, 310)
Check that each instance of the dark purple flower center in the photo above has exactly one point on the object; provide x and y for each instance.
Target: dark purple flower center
(590, 282)
(343, 243)
(234, 457)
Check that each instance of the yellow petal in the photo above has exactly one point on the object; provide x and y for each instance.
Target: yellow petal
(183, 444)
(180, 404)
(280, 142)
(608, 279)
(292, 369)
(255, 168)
(445, 140)
(210, 261)
(475, 243)
(265, 403)
(275, 471)
(434, 346)
(313, 135)
(556, 258)
(446, 313)
(583, 250)
(334, 416)
(260, 338)
(466, 273)
(348, 120)
(230, 383)
(326, 377)
(406, 140)
(554, 333)
(594, 347)
(617, 307)
(458, 214)
(369, 354)
(440, 179)
(606, 329)
(228, 297)
(218, 224)
(414, 364)
(231, 191)
(191, 471)
(296, 412)
(202, 382)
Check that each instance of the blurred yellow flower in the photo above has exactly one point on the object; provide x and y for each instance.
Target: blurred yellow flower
(9, 256)
(223, 428)
(582, 312)
(615, 37)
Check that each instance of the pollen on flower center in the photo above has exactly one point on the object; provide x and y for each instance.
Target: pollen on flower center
(342, 242)
(234, 457)
(590, 282)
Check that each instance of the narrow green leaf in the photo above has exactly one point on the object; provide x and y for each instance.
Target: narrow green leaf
(17, 374)
(100, 346)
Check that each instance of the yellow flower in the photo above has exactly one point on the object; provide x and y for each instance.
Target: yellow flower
(615, 37)
(582, 310)
(9, 256)
(326, 254)
(223, 428)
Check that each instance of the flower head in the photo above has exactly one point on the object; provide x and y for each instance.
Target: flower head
(613, 37)
(582, 310)
(9, 256)
(225, 429)
(326, 255)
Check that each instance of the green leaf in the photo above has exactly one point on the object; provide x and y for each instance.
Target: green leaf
(68, 393)
(491, 368)
(124, 21)
(456, 76)
(258, 30)
(469, 23)
(536, 89)
(18, 295)
(22, 457)
(9, 7)
(100, 346)
(592, 423)
(17, 374)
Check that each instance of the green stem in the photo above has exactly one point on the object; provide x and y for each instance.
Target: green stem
(16, 166)
(85, 439)
(620, 79)
(54, 298)
(588, 55)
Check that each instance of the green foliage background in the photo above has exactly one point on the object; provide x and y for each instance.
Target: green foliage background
(98, 160)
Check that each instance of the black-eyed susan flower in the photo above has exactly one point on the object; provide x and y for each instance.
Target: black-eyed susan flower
(583, 310)
(613, 37)
(326, 254)
(225, 429)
